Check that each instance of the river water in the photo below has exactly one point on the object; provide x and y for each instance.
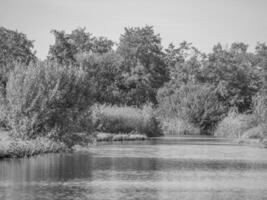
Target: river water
(166, 168)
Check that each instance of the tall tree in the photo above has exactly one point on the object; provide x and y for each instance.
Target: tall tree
(234, 75)
(143, 64)
(14, 47)
(69, 48)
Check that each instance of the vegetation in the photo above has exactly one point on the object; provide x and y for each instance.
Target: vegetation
(47, 99)
(12, 148)
(135, 87)
(124, 119)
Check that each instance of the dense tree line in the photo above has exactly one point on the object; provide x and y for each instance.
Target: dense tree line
(180, 81)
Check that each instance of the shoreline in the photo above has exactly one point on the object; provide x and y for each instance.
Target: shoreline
(17, 148)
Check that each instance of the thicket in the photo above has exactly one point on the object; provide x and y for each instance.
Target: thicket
(48, 99)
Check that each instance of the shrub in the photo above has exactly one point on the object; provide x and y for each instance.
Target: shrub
(195, 104)
(125, 119)
(260, 108)
(178, 127)
(3, 114)
(47, 99)
(256, 132)
(234, 125)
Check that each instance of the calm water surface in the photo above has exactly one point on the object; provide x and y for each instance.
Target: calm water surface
(165, 169)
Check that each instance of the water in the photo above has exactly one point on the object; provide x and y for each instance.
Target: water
(158, 169)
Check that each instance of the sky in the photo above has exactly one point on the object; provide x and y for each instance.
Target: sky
(202, 22)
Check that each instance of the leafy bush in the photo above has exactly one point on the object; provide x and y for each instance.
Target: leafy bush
(178, 127)
(257, 132)
(3, 114)
(234, 125)
(48, 99)
(195, 104)
(114, 119)
(260, 108)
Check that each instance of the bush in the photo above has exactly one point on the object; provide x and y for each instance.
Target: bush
(114, 119)
(260, 108)
(179, 127)
(47, 99)
(195, 104)
(234, 125)
(256, 132)
(3, 114)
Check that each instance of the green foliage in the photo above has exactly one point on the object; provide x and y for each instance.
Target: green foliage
(47, 99)
(124, 119)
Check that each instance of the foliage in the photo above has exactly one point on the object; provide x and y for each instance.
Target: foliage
(14, 148)
(144, 69)
(234, 124)
(105, 71)
(124, 119)
(195, 104)
(176, 126)
(234, 74)
(14, 47)
(47, 99)
(256, 132)
(3, 114)
(68, 46)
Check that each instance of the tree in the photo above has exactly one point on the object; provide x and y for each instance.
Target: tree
(144, 68)
(14, 47)
(234, 74)
(105, 71)
(69, 48)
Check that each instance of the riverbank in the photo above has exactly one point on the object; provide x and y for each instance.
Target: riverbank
(17, 148)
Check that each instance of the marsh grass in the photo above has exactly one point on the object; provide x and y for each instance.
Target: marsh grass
(234, 125)
(125, 119)
(13, 148)
(178, 126)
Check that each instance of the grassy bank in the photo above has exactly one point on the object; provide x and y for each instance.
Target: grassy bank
(14, 148)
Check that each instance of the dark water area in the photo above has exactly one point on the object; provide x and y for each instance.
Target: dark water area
(170, 168)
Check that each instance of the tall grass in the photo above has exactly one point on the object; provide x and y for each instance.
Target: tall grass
(125, 119)
(176, 126)
(234, 125)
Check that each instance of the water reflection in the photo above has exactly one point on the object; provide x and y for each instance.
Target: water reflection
(156, 169)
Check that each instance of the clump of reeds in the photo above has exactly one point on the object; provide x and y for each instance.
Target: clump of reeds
(234, 125)
(178, 126)
(125, 119)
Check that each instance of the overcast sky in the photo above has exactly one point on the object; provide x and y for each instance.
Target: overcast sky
(202, 22)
